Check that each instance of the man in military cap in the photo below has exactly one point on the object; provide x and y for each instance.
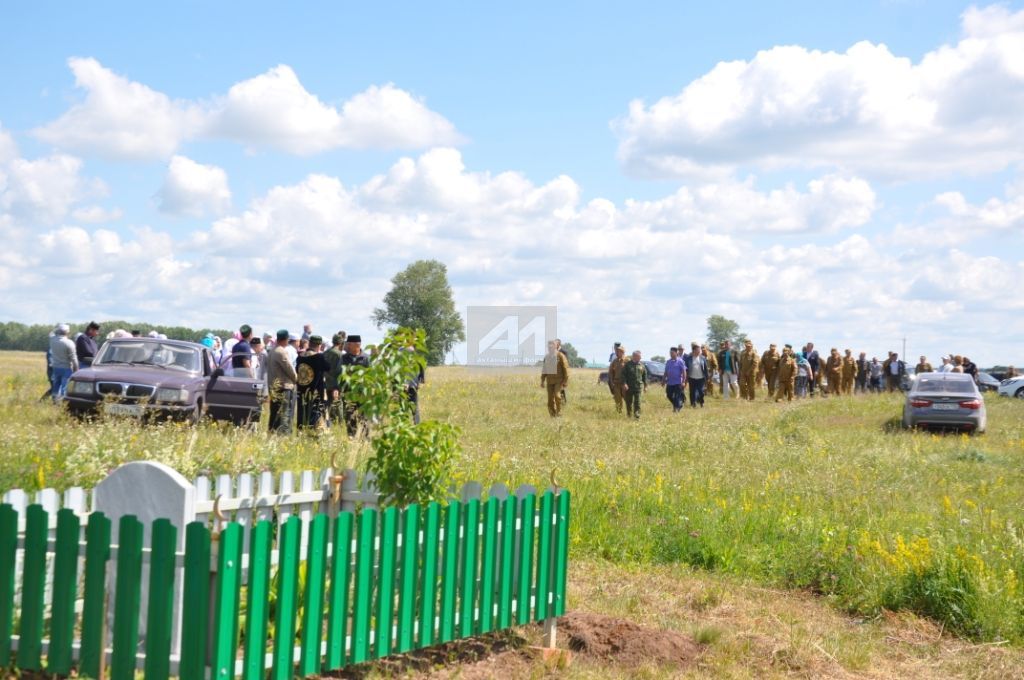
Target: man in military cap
(787, 370)
(554, 376)
(352, 363)
(849, 373)
(311, 377)
(615, 375)
(634, 381)
(769, 368)
(749, 362)
(834, 371)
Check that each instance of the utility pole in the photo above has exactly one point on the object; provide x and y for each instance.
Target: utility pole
(904, 349)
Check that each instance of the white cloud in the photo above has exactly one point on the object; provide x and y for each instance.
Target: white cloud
(124, 119)
(865, 110)
(644, 272)
(120, 118)
(193, 189)
(43, 190)
(95, 214)
(8, 149)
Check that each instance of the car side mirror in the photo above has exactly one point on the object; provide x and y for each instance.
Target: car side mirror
(217, 372)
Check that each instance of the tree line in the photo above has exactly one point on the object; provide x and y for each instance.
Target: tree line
(35, 337)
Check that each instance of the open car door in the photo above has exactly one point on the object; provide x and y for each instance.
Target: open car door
(228, 398)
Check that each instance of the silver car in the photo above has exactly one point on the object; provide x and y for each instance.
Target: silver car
(945, 400)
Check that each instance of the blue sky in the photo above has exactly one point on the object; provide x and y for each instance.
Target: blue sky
(844, 173)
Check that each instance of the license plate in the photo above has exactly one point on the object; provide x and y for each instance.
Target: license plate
(123, 409)
(945, 407)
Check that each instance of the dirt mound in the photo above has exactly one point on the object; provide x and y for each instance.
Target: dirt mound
(625, 643)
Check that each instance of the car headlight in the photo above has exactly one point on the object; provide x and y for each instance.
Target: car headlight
(171, 394)
(80, 387)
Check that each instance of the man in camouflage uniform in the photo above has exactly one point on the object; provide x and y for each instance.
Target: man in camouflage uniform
(923, 366)
(634, 381)
(786, 374)
(749, 362)
(849, 373)
(769, 369)
(555, 376)
(833, 371)
(709, 380)
(615, 375)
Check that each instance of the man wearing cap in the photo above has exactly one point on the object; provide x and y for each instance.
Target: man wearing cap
(675, 376)
(786, 375)
(769, 368)
(947, 365)
(333, 357)
(849, 371)
(634, 381)
(749, 362)
(834, 371)
(281, 379)
(241, 354)
(615, 349)
(85, 344)
(615, 375)
(65, 361)
(698, 373)
(311, 378)
(352, 362)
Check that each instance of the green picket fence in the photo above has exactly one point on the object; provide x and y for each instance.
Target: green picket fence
(370, 584)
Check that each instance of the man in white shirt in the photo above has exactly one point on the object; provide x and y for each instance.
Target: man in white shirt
(946, 366)
(65, 361)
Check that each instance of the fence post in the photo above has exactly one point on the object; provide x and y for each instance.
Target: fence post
(149, 491)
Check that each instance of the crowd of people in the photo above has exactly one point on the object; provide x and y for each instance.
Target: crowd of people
(784, 375)
(302, 376)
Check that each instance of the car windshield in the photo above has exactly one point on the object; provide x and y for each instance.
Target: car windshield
(149, 354)
(954, 385)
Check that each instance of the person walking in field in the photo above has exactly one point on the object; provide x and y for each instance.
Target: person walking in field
(834, 371)
(769, 369)
(554, 376)
(634, 382)
(804, 375)
(615, 376)
(698, 373)
(787, 372)
(749, 362)
(849, 373)
(675, 377)
(728, 369)
(863, 369)
(709, 376)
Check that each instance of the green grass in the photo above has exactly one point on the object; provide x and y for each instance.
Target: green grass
(825, 495)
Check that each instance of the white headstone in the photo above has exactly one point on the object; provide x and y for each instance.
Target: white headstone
(149, 491)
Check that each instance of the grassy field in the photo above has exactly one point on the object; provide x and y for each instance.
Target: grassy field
(826, 497)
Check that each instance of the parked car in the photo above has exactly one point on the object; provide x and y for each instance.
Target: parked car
(945, 400)
(1012, 387)
(152, 378)
(987, 382)
(655, 371)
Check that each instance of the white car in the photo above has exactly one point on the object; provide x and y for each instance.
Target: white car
(1012, 387)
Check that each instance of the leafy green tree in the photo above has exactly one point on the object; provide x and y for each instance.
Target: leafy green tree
(721, 329)
(420, 297)
(413, 462)
(575, 360)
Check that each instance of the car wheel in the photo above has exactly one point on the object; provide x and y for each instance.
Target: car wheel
(1019, 393)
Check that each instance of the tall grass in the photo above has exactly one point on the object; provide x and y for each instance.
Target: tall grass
(825, 495)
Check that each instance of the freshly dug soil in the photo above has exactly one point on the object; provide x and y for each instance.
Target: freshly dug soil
(625, 643)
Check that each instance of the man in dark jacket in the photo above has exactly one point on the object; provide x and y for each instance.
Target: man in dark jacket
(698, 372)
(352, 362)
(85, 344)
(634, 380)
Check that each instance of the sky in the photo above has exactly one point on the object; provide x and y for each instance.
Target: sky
(846, 173)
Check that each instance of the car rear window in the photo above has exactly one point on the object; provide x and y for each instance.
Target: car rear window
(945, 385)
